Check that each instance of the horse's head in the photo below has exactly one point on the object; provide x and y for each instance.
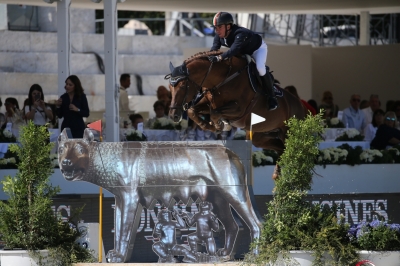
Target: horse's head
(189, 78)
(181, 96)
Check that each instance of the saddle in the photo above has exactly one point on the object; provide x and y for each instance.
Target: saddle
(254, 78)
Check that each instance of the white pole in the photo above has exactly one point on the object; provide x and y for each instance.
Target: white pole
(111, 65)
(63, 45)
(364, 28)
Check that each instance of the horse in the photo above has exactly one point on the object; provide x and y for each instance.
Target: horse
(229, 96)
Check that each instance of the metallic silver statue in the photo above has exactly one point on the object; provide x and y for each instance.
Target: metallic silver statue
(141, 173)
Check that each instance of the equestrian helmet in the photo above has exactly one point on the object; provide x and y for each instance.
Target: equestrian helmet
(222, 18)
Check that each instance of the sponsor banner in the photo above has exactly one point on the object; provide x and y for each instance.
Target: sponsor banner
(354, 207)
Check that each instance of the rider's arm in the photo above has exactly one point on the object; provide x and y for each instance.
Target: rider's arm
(238, 43)
(216, 44)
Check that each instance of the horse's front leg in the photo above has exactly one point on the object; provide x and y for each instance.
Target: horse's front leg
(230, 109)
(194, 114)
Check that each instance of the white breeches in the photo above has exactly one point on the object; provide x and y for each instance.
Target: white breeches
(260, 56)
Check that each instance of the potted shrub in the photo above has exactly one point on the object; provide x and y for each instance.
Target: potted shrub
(27, 220)
(292, 224)
(378, 242)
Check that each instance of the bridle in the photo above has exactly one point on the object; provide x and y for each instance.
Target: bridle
(181, 73)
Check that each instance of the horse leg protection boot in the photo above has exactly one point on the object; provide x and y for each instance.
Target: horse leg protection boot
(268, 86)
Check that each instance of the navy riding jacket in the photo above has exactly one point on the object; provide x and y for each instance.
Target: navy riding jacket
(240, 40)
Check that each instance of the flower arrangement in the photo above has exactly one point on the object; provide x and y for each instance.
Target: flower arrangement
(375, 236)
(240, 135)
(332, 155)
(264, 157)
(345, 154)
(182, 125)
(134, 135)
(163, 123)
(9, 161)
(350, 135)
(370, 156)
(6, 136)
(334, 123)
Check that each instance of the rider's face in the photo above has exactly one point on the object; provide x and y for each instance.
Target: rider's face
(221, 30)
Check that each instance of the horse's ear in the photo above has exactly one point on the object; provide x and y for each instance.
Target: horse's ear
(171, 67)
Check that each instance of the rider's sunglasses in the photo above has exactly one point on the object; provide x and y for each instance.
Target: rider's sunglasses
(390, 119)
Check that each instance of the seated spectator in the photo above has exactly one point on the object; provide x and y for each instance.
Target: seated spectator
(13, 114)
(36, 109)
(377, 120)
(331, 109)
(314, 105)
(390, 106)
(292, 89)
(353, 117)
(135, 120)
(386, 135)
(2, 116)
(159, 108)
(374, 104)
(364, 104)
(396, 109)
(164, 95)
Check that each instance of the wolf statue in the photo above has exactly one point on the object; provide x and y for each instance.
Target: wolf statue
(141, 173)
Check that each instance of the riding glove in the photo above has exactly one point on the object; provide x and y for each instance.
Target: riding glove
(214, 58)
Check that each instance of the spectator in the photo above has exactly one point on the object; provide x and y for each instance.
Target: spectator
(125, 83)
(164, 95)
(364, 104)
(390, 105)
(135, 120)
(2, 116)
(396, 109)
(36, 109)
(292, 89)
(353, 117)
(73, 106)
(374, 104)
(331, 109)
(13, 114)
(158, 108)
(314, 105)
(377, 120)
(386, 135)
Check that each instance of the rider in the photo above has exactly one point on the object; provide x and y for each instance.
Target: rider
(243, 41)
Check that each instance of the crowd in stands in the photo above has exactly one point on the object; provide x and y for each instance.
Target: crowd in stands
(379, 127)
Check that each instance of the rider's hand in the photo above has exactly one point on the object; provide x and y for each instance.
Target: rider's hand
(214, 58)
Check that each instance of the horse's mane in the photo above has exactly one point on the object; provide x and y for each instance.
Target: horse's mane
(202, 55)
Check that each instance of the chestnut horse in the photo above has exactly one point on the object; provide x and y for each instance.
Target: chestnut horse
(228, 95)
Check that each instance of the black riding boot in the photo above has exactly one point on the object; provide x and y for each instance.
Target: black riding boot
(268, 85)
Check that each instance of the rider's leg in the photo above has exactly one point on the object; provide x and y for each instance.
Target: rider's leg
(260, 56)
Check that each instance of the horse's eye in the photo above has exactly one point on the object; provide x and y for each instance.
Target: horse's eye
(60, 150)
